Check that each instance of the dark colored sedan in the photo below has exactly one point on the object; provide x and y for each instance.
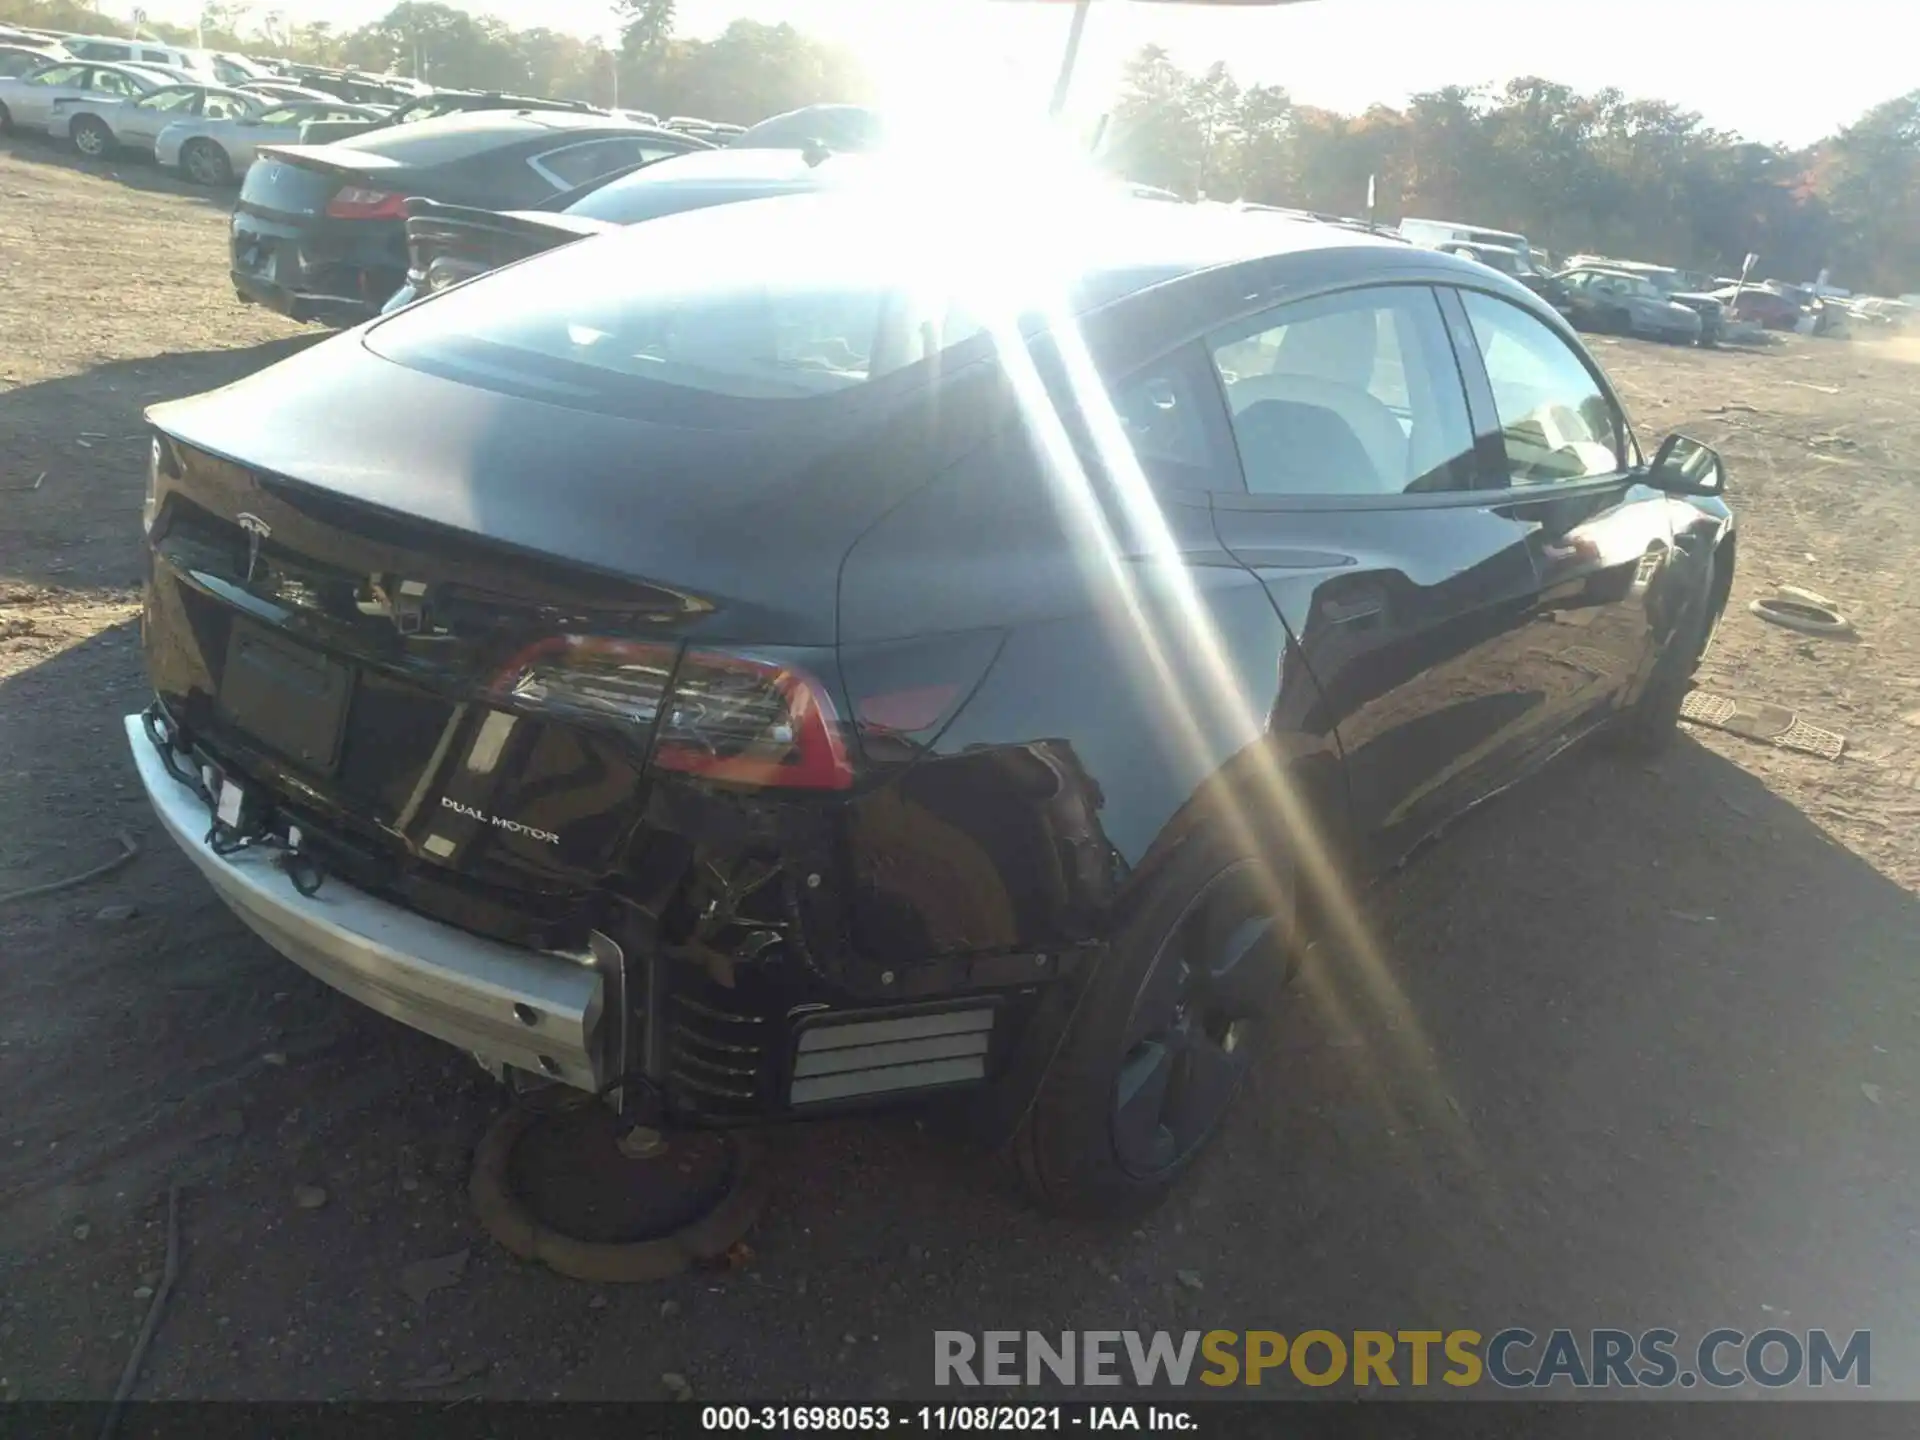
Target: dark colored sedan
(448, 244)
(969, 651)
(319, 232)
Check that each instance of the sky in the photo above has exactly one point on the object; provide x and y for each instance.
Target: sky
(1744, 66)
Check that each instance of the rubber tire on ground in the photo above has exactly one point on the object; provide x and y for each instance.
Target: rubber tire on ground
(1648, 726)
(704, 1241)
(1064, 1151)
(87, 125)
(222, 173)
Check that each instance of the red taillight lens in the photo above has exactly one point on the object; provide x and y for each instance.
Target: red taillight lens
(733, 718)
(352, 202)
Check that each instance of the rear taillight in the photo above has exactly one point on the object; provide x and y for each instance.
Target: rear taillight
(352, 202)
(740, 719)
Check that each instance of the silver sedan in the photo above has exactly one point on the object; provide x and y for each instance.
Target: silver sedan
(30, 101)
(100, 124)
(218, 152)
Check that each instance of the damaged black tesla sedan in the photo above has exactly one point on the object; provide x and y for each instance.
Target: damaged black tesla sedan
(824, 651)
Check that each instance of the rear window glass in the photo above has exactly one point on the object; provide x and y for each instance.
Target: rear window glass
(439, 144)
(774, 299)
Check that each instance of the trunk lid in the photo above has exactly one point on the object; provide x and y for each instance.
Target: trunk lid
(330, 603)
(287, 182)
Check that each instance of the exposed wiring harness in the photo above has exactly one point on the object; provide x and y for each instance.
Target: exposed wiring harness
(301, 866)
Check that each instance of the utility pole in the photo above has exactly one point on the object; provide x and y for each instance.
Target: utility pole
(1065, 80)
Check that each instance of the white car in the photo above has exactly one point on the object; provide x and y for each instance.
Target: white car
(109, 50)
(30, 101)
(217, 152)
(102, 124)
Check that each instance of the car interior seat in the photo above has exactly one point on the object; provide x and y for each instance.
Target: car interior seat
(1328, 362)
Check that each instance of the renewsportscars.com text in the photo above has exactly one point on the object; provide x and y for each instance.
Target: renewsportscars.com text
(1512, 1358)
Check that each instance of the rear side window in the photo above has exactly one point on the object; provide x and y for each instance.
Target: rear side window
(1556, 421)
(1349, 394)
(1170, 413)
(573, 165)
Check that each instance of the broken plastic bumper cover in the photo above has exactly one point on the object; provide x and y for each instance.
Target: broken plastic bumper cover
(536, 1011)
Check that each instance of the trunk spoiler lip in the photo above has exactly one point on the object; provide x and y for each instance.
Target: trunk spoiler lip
(468, 217)
(333, 160)
(292, 489)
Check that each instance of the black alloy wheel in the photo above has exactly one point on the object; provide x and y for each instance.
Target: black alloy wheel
(1190, 1039)
(1168, 1030)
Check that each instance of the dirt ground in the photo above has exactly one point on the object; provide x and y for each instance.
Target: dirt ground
(1642, 1053)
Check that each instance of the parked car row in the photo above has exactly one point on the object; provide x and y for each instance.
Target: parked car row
(1663, 302)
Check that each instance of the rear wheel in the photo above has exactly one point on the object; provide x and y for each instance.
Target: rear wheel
(1161, 1045)
(91, 138)
(206, 163)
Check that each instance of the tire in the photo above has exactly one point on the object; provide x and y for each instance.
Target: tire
(1161, 1042)
(91, 138)
(205, 163)
(6, 120)
(1648, 726)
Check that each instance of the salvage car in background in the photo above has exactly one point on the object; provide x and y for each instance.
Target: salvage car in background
(99, 125)
(1516, 263)
(964, 653)
(448, 244)
(433, 106)
(1763, 306)
(1682, 289)
(30, 101)
(319, 232)
(18, 60)
(214, 150)
(1621, 303)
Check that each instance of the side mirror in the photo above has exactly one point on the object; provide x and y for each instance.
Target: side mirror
(1684, 466)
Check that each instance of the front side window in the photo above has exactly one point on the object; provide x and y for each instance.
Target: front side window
(1350, 394)
(225, 107)
(1558, 424)
(112, 82)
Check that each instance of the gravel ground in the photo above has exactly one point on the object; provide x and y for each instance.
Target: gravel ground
(1639, 1052)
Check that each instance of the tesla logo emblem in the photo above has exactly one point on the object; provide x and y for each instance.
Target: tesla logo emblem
(257, 530)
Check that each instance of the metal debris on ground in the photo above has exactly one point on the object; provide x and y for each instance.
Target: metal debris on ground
(1759, 720)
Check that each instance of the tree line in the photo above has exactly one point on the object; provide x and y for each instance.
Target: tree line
(1599, 172)
(744, 74)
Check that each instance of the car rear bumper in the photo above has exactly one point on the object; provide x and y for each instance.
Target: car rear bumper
(508, 1006)
(302, 304)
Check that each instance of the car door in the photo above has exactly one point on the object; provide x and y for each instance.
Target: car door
(1406, 588)
(140, 122)
(34, 100)
(1599, 538)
